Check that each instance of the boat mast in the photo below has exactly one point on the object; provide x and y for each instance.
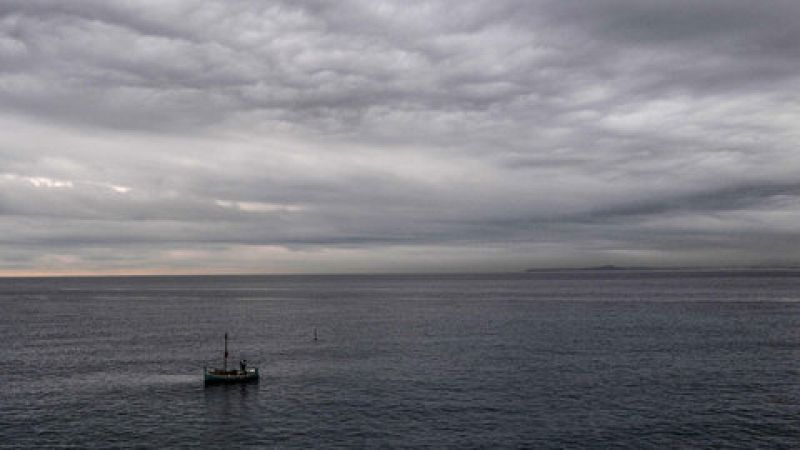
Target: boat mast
(225, 360)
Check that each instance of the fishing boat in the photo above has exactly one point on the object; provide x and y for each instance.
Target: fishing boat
(243, 374)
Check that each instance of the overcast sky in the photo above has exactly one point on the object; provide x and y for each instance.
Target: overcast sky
(397, 136)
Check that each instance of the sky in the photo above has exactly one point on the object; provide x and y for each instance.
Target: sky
(310, 136)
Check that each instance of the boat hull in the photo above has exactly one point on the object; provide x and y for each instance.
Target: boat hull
(216, 376)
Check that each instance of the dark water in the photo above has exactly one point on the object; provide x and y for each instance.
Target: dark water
(581, 359)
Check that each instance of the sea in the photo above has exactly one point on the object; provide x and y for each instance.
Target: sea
(558, 359)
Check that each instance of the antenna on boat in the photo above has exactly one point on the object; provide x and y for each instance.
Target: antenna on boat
(225, 361)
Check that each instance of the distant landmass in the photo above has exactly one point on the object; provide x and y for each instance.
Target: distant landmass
(604, 267)
(611, 267)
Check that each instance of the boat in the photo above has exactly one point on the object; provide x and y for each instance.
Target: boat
(243, 374)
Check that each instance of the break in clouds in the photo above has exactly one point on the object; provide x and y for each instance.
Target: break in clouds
(316, 136)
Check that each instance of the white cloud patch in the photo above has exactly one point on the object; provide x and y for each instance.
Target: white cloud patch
(40, 182)
(258, 207)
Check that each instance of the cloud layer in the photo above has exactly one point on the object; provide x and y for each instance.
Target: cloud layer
(313, 136)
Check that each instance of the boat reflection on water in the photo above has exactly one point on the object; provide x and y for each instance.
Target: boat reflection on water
(228, 391)
(229, 410)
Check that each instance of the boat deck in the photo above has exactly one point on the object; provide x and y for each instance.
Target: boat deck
(231, 376)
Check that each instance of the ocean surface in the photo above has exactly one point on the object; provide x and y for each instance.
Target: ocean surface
(638, 359)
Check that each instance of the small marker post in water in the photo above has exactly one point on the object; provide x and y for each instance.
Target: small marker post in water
(315, 334)
(225, 360)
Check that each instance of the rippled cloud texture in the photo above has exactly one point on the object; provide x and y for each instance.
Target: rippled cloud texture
(373, 136)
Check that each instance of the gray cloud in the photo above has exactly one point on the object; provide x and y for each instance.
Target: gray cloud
(194, 136)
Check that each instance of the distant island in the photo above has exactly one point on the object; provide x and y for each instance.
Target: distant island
(611, 267)
(603, 267)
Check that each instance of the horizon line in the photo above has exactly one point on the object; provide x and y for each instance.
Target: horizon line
(605, 268)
